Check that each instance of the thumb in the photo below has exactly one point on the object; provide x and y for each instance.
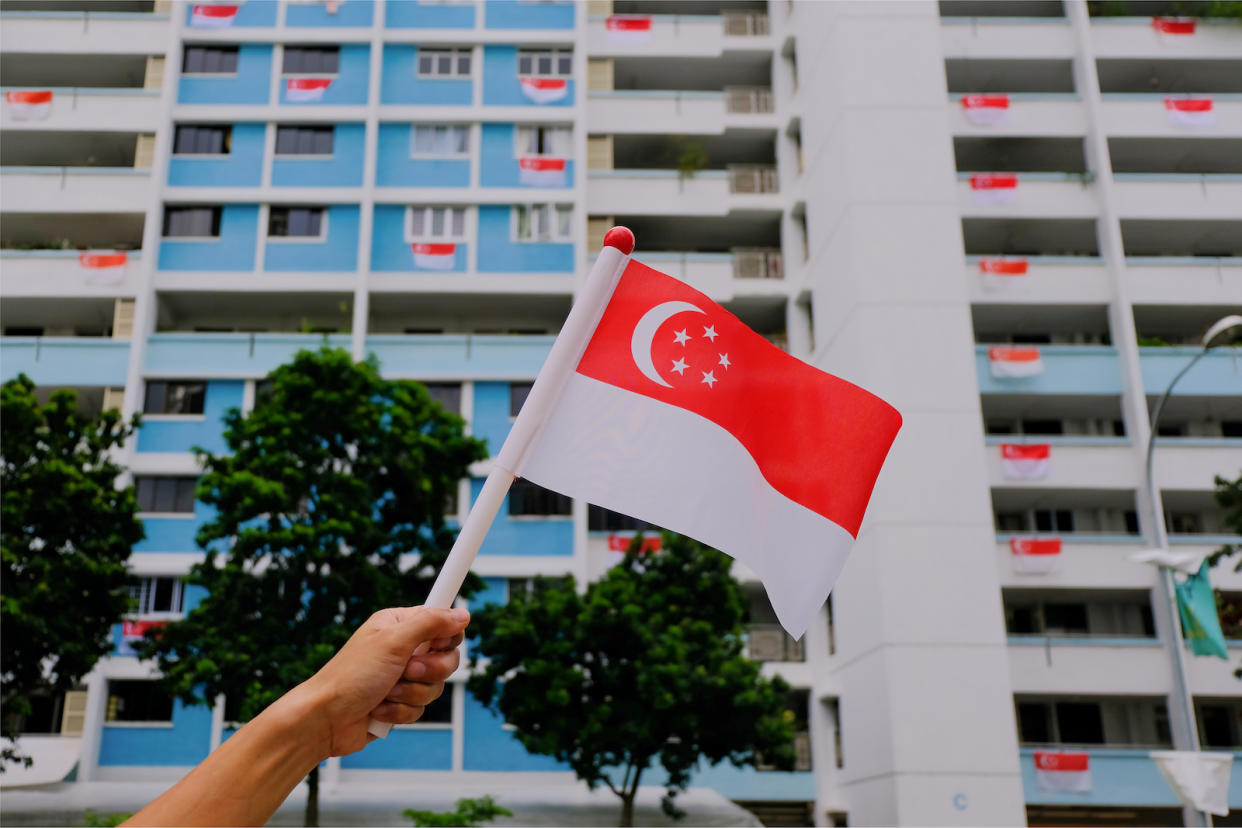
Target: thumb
(418, 624)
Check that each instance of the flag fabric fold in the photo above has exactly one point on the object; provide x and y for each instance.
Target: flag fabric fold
(1200, 779)
(1200, 621)
(1063, 771)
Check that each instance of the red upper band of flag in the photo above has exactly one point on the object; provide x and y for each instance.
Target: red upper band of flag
(993, 181)
(97, 260)
(1174, 25)
(1049, 760)
(17, 96)
(540, 164)
(1035, 546)
(1188, 104)
(1004, 353)
(985, 102)
(621, 543)
(1003, 267)
(1011, 451)
(628, 23)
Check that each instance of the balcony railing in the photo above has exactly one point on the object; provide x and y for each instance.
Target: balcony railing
(742, 24)
(752, 179)
(748, 99)
(757, 263)
(769, 642)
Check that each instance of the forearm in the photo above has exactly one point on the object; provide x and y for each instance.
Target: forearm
(246, 779)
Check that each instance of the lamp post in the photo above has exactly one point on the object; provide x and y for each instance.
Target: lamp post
(1183, 700)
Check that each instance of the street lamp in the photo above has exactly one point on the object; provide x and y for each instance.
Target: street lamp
(1218, 334)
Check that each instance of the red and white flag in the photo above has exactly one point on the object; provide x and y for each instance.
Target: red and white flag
(301, 90)
(104, 267)
(986, 110)
(1174, 25)
(1001, 274)
(212, 17)
(1035, 556)
(994, 188)
(544, 90)
(1063, 771)
(540, 171)
(29, 105)
(621, 543)
(628, 28)
(1009, 363)
(680, 415)
(1026, 462)
(1190, 111)
(434, 256)
(134, 631)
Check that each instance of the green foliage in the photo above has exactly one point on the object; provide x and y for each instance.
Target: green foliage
(1205, 9)
(691, 159)
(646, 667)
(94, 820)
(1229, 498)
(68, 532)
(469, 813)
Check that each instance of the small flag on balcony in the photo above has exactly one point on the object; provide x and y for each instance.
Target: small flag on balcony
(994, 188)
(29, 105)
(628, 28)
(302, 90)
(434, 256)
(1012, 363)
(1001, 274)
(104, 267)
(212, 17)
(1190, 111)
(539, 171)
(986, 110)
(544, 90)
(133, 631)
(1200, 620)
(1174, 25)
(1026, 462)
(621, 543)
(1035, 556)
(1063, 771)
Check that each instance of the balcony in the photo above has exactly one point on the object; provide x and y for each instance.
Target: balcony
(1047, 280)
(1217, 374)
(1119, 776)
(227, 355)
(79, 189)
(94, 33)
(1077, 462)
(1145, 115)
(1007, 38)
(62, 273)
(1188, 463)
(462, 356)
(1186, 196)
(1037, 194)
(1100, 665)
(84, 108)
(1100, 562)
(683, 35)
(622, 111)
(1028, 114)
(65, 361)
(705, 193)
(1135, 37)
(1068, 369)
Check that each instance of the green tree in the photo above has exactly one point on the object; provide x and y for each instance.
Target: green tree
(333, 477)
(469, 813)
(1229, 498)
(68, 532)
(646, 667)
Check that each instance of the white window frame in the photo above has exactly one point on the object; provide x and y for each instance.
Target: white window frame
(323, 226)
(414, 153)
(554, 237)
(535, 54)
(302, 156)
(522, 131)
(428, 209)
(215, 238)
(202, 155)
(453, 75)
(146, 590)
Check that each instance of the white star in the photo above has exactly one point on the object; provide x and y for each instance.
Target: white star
(680, 366)
(724, 360)
(710, 332)
(709, 378)
(680, 337)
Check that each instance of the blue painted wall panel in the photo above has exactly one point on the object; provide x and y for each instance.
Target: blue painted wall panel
(500, 80)
(174, 534)
(232, 250)
(496, 591)
(391, 252)
(498, 163)
(337, 252)
(249, 86)
(489, 747)
(416, 749)
(400, 83)
(1118, 777)
(396, 168)
(206, 431)
(498, 253)
(343, 169)
(411, 14)
(350, 84)
(1216, 374)
(490, 420)
(1068, 369)
(510, 14)
(242, 167)
(250, 14)
(525, 535)
(351, 13)
(186, 743)
(230, 354)
(65, 361)
(455, 357)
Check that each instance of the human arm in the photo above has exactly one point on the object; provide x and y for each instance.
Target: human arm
(374, 675)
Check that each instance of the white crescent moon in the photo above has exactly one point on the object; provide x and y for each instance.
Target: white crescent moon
(645, 331)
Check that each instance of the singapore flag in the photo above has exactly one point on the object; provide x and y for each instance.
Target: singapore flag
(1026, 462)
(1035, 556)
(29, 105)
(1190, 111)
(1014, 363)
(993, 189)
(986, 110)
(537, 171)
(544, 90)
(434, 256)
(302, 90)
(212, 17)
(1063, 771)
(104, 267)
(678, 414)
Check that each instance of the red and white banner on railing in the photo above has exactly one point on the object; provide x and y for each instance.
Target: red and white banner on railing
(618, 545)
(1174, 25)
(544, 90)
(302, 90)
(986, 110)
(1190, 111)
(1035, 556)
(1002, 274)
(133, 631)
(541, 171)
(212, 17)
(994, 188)
(1063, 771)
(1011, 362)
(29, 104)
(442, 256)
(104, 267)
(1026, 462)
(628, 28)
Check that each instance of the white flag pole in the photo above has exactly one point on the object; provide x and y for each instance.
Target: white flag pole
(566, 352)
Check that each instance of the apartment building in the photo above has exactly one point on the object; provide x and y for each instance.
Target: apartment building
(909, 195)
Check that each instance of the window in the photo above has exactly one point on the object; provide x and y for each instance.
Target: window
(191, 222)
(1011, 522)
(1065, 618)
(138, 701)
(312, 60)
(209, 60)
(1184, 523)
(1080, 723)
(526, 498)
(1043, 427)
(450, 139)
(440, 711)
(158, 595)
(437, 222)
(165, 495)
(447, 394)
(304, 140)
(600, 519)
(295, 222)
(174, 397)
(1034, 723)
(543, 222)
(1219, 725)
(444, 63)
(544, 140)
(518, 392)
(202, 140)
(1054, 520)
(1231, 428)
(555, 63)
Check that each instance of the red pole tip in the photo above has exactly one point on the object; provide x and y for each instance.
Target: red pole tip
(620, 238)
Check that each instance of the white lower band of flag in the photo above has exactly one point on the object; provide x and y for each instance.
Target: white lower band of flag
(639, 456)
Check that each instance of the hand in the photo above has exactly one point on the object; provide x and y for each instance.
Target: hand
(391, 668)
